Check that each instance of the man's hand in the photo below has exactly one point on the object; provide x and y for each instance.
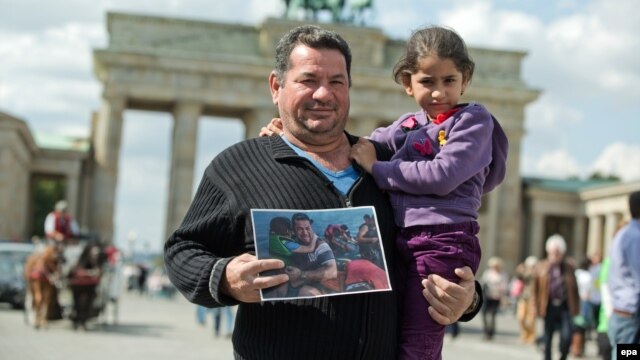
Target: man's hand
(273, 128)
(241, 278)
(295, 275)
(447, 300)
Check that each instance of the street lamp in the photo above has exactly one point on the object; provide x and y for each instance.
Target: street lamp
(132, 236)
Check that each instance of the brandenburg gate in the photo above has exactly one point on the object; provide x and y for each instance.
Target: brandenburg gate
(196, 68)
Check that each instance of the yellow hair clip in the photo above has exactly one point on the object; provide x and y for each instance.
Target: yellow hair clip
(442, 138)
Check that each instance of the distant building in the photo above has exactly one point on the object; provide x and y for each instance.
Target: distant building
(585, 212)
(27, 160)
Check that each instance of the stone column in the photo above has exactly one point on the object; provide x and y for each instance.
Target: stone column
(493, 225)
(255, 119)
(611, 221)
(579, 241)
(537, 234)
(595, 235)
(73, 192)
(361, 126)
(183, 154)
(107, 139)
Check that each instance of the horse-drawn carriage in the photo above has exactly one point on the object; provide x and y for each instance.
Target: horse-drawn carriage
(66, 281)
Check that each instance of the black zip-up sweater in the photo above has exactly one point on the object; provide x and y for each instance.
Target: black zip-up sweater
(266, 173)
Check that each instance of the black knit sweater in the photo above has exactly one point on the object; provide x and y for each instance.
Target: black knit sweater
(266, 173)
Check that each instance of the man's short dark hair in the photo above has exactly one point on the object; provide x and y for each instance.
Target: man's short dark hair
(634, 204)
(300, 217)
(314, 37)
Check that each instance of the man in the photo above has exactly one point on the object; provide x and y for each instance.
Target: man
(623, 280)
(368, 240)
(555, 295)
(314, 268)
(209, 258)
(59, 225)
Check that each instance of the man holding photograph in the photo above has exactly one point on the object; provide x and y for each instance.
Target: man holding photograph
(313, 269)
(210, 256)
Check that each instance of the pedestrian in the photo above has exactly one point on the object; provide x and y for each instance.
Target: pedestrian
(447, 156)
(594, 298)
(604, 345)
(624, 280)
(226, 312)
(584, 321)
(525, 307)
(453, 329)
(556, 295)
(494, 285)
(606, 308)
(209, 257)
(59, 225)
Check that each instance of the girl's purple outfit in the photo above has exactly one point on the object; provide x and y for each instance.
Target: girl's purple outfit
(436, 180)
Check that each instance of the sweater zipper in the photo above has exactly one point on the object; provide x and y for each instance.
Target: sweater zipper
(347, 198)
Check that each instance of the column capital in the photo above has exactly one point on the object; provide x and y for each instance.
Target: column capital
(255, 119)
(188, 105)
(117, 102)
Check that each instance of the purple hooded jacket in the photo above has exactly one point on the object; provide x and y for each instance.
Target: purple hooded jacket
(432, 183)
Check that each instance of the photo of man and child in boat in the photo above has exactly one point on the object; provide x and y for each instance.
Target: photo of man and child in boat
(325, 252)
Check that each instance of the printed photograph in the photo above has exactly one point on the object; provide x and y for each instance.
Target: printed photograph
(326, 252)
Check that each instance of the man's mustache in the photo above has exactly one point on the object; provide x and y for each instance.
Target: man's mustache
(317, 105)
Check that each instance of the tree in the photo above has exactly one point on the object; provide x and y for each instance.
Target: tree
(46, 192)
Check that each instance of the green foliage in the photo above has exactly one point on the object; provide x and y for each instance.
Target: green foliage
(46, 192)
(599, 176)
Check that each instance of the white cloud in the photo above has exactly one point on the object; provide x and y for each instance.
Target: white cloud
(480, 24)
(50, 71)
(619, 159)
(548, 125)
(595, 52)
(557, 164)
(548, 113)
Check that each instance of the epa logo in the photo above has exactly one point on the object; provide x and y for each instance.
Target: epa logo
(628, 351)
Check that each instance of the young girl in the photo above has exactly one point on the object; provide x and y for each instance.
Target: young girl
(447, 155)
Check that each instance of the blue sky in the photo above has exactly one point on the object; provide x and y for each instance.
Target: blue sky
(582, 54)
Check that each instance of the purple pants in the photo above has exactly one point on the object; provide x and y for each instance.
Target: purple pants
(431, 249)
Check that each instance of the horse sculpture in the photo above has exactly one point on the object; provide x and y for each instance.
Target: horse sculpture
(41, 271)
(311, 8)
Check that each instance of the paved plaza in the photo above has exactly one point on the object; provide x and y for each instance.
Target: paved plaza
(160, 328)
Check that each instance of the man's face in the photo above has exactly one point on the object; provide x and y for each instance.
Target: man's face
(554, 255)
(303, 230)
(313, 99)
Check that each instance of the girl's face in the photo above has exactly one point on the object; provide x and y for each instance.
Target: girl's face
(436, 86)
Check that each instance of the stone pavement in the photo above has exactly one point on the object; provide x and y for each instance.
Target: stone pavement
(148, 328)
(470, 343)
(159, 328)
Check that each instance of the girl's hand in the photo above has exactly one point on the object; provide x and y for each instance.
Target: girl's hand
(364, 154)
(273, 128)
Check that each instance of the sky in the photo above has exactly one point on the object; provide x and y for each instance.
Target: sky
(583, 55)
